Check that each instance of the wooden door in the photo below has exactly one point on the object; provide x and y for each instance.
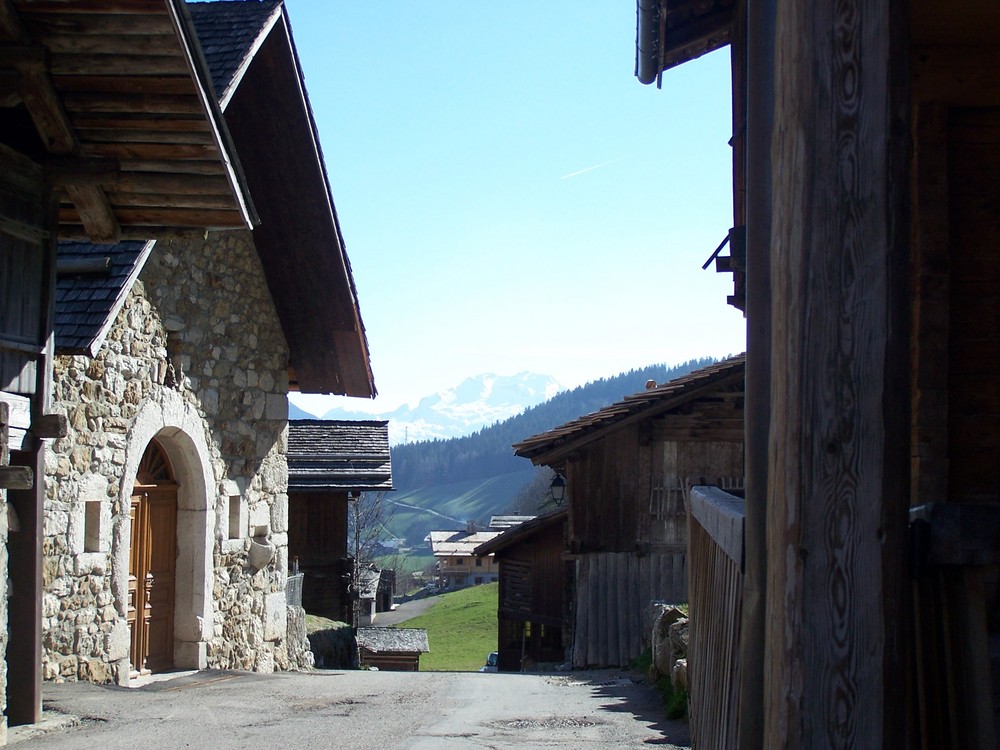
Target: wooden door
(151, 564)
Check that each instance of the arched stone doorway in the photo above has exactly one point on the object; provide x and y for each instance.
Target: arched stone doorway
(179, 430)
(152, 555)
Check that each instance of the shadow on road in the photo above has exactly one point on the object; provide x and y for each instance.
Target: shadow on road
(636, 696)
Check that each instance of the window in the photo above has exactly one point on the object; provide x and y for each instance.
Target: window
(479, 562)
(92, 526)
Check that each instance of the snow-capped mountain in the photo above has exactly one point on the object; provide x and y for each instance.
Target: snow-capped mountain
(475, 403)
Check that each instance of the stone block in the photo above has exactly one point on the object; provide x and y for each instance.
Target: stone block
(275, 616)
(277, 407)
(663, 656)
(279, 514)
(117, 641)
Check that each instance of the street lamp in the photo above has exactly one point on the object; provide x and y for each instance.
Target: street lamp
(558, 489)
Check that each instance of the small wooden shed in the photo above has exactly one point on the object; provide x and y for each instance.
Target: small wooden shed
(328, 463)
(627, 468)
(392, 649)
(534, 612)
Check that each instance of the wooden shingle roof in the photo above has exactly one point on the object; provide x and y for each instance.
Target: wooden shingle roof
(91, 285)
(393, 640)
(548, 446)
(116, 104)
(338, 456)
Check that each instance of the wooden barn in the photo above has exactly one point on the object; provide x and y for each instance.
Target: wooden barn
(392, 649)
(534, 610)
(627, 468)
(866, 155)
(81, 88)
(330, 462)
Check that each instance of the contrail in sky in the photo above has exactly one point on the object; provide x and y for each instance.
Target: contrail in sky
(590, 169)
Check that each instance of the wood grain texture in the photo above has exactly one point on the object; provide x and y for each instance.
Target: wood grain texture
(830, 253)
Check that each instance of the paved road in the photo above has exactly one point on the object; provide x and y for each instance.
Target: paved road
(405, 611)
(358, 710)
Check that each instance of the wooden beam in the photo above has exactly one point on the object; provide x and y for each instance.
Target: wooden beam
(96, 213)
(111, 44)
(136, 65)
(151, 151)
(46, 111)
(16, 478)
(91, 23)
(124, 84)
(152, 104)
(50, 426)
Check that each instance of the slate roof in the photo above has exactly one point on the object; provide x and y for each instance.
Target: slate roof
(459, 543)
(87, 303)
(646, 404)
(338, 455)
(230, 32)
(393, 640)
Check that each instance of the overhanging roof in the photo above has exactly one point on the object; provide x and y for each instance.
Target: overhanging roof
(113, 99)
(521, 532)
(671, 32)
(91, 285)
(256, 69)
(338, 456)
(550, 446)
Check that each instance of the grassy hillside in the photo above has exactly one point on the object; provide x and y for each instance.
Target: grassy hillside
(461, 629)
(418, 511)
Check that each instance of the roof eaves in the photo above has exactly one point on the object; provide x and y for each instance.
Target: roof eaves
(188, 37)
(550, 447)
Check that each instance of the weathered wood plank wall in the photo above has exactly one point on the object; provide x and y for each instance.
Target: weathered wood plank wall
(610, 610)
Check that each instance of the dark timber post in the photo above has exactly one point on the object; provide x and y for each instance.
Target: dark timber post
(838, 463)
(760, 98)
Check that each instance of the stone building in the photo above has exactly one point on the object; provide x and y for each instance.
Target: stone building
(166, 510)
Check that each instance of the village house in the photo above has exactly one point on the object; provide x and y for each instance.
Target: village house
(166, 533)
(535, 598)
(457, 563)
(72, 167)
(866, 150)
(627, 468)
(330, 463)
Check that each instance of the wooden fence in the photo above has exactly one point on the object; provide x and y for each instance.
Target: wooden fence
(715, 590)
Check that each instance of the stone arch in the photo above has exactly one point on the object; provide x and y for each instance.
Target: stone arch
(180, 430)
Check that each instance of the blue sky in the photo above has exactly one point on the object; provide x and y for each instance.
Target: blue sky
(511, 198)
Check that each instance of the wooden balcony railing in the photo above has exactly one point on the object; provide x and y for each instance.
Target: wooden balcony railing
(715, 593)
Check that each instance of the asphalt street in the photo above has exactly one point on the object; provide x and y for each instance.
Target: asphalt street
(359, 710)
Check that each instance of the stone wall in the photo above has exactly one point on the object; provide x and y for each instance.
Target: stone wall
(197, 359)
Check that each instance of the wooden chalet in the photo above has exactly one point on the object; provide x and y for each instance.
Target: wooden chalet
(534, 611)
(866, 155)
(458, 564)
(108, 130)
(392, 649)
(627, 468)
(329, 463)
